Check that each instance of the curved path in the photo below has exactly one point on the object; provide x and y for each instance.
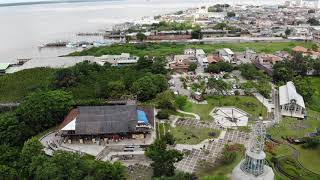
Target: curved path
(189, 113)
(295, 155)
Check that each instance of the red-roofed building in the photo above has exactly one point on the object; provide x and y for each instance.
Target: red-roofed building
(300, 49)
(212, 59)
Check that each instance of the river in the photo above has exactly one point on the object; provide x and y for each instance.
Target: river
(24, 28)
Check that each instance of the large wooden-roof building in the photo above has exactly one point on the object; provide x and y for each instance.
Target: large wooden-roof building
(107, 121)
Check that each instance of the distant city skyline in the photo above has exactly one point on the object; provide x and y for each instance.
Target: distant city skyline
(213, 1)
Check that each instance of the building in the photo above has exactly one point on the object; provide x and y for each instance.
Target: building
(118, 60)
(254, 166)
(180, 63)
(290, 102)
(99, 123)
(300, 49)
(250, 54)
(227, 55)
(316, 37)
(213, 59)
(4, 67)
(190, 51)
(306, 52)
(202, 58)
(265, 62)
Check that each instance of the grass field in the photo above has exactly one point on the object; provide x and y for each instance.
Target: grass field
(315, 104)
(191, 135)
(220, 169)
(247, 103)
(294, 128)
(165, 49)
(210, 170)
(291, 167)
(14, 87)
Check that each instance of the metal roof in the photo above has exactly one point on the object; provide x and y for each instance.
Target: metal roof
(229, 51)
(287, 93)
(4, 66)
(94, 120)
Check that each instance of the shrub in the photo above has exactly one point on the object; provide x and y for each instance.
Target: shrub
(163, 114)
(181, 101)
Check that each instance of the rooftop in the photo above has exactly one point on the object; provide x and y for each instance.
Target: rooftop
(300, 49)
(288, 92)
(106, 119)
(4, 66)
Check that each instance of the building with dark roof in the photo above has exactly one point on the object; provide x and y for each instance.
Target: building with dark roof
(105, 121)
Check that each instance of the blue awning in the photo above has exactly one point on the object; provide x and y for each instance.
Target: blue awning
(142, 117)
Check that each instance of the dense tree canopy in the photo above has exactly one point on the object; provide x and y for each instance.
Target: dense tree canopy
(181, 101)
(163, 159)
(250, 72)
(12, 131)
(44, 109)
(141, 36)
(149, 86)
(64, 78)
(220, 87)
(66, 165)
(221, 66)
(193, 66)
(165, 100)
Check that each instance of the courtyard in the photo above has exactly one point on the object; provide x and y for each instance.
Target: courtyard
(248, 104)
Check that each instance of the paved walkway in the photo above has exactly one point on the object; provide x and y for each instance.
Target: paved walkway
(192, 114)
(264, 101)
(208, 150)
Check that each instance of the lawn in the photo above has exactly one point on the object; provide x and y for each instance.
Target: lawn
(210, 170)
(247, 103)
(138, 172)
(165, 49)
(14, 87)
(315, 104)
(291, 167)
(294, 128)
(162, 129)
(220, 168)
(192, 135)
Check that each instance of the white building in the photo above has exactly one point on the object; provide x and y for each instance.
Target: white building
(227, 55)
(202, 58)
(118, 60)
(190, 51)
(291, 103)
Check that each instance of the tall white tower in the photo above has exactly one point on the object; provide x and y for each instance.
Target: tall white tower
(253, 167)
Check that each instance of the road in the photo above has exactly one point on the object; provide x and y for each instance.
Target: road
(275, 96)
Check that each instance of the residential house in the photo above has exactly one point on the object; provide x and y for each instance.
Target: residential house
(306, 52)
(202, 58)
(227, 55)
(213, 59)
(250, 54)
(290, 102)
(180, 63)
(190, 51)
(316, 36)
(265, 62)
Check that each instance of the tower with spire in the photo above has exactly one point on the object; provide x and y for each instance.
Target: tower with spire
(253, 167)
